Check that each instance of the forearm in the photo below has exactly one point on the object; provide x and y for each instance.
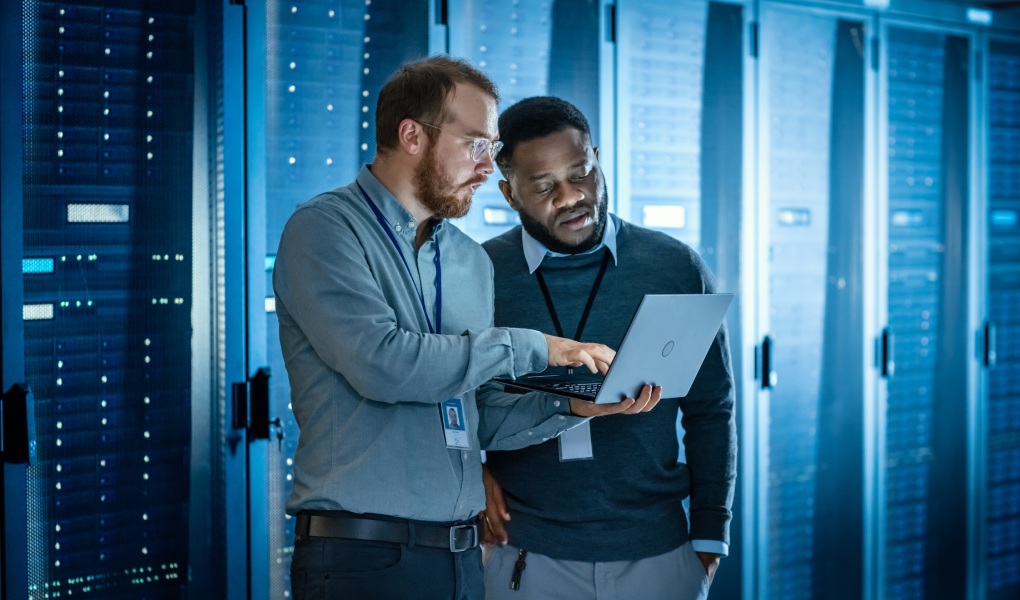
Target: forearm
(514, 421)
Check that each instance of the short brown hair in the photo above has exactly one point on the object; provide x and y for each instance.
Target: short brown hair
(418, 90)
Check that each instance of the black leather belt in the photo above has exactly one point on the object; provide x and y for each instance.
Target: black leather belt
(455, 538)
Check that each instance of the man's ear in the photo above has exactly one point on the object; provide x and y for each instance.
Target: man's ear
(596, 149)
(508, 193)
(411, 136)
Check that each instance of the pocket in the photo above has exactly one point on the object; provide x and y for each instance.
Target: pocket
(357, 558)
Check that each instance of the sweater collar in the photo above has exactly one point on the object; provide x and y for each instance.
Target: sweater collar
(535, 251)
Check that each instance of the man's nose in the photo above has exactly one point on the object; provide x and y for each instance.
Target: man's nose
(567, 195)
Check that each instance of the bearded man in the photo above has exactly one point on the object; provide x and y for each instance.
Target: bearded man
(386, 316)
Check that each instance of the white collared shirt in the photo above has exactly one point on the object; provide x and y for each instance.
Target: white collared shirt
(535, 251)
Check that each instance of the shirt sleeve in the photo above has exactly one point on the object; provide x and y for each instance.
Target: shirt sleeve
(710, 436)
(325, 283)
(513, 421)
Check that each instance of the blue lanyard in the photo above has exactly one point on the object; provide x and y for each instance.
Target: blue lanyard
(439, 268)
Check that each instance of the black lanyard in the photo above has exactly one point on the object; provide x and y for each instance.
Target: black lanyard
(587, 309)
(439, 270)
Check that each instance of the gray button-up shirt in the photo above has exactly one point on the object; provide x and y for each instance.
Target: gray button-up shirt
(366, 375)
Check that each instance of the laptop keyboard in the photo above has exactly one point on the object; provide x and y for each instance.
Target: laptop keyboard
(587, 389)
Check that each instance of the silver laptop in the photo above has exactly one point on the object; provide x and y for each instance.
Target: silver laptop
(665, 344)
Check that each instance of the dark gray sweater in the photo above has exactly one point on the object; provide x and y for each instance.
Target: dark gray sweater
(626, 503)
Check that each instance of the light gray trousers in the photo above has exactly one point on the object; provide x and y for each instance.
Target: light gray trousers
(675, 575)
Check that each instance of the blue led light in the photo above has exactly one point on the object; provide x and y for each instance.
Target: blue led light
(34, 266)
(1004, 218)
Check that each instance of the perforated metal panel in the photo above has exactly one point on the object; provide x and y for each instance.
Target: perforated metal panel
(1003, 435)
(660, 79)
(799, 52)
(108, 199)
(925, 494)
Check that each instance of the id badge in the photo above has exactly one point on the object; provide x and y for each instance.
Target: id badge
(454, 425)
(575, 443)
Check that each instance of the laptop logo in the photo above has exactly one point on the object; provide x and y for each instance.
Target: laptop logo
(667, 349)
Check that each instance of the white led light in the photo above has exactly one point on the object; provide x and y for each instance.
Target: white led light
(292, 160)
(291, 88)
(329, 161)
(146, 435)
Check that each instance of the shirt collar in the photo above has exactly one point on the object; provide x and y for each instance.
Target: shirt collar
(535, 251)
(396, 215)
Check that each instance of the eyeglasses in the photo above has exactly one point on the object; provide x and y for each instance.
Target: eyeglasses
(479, 146)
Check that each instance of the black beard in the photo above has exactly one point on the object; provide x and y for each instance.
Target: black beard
(542, 234)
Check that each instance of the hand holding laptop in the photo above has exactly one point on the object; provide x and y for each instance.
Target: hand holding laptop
(645, 402)
(568, 353)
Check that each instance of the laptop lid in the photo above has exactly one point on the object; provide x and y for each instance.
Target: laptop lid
(665, 344)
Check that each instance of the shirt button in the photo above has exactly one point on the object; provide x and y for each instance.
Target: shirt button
(533, 433)
(556, 403)
(410, 225)
(398, 227)
(465, 454)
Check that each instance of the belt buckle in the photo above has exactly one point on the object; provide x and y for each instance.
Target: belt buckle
(473, 528)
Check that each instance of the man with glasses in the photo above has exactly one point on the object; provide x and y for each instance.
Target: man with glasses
(598, 512)
(386, 318)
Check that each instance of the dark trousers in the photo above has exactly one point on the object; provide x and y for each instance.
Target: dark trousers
(335, 568)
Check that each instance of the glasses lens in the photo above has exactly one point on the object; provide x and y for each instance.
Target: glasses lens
(496, 147)
(479, 148)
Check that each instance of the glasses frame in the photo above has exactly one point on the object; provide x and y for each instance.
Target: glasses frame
(479, 145)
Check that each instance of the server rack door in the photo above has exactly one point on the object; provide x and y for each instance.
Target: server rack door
(324, 64)
(528, 48)
(811, 135)
(1002, 435)
(14, 534)
(108, 143)
(924, 504)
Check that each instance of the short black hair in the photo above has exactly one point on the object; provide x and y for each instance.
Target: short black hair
(533, 118)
